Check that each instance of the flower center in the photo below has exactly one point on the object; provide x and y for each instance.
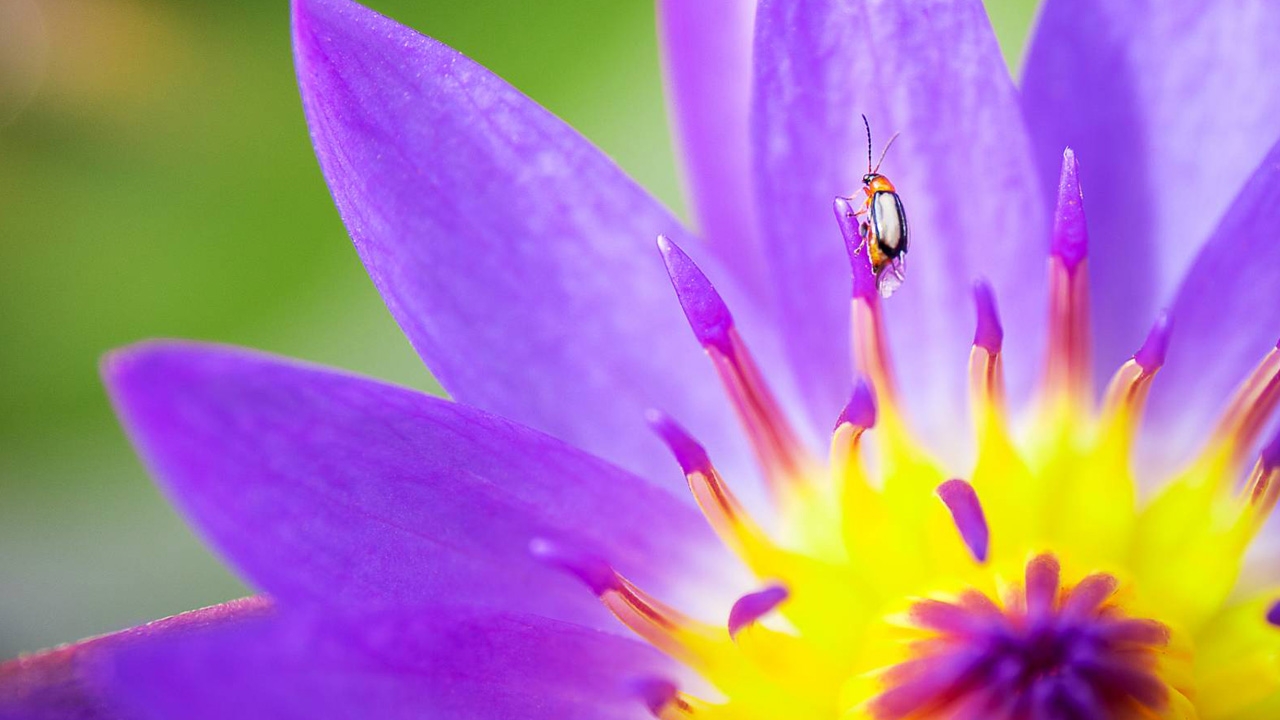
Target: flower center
(1049, 652)
(892, 591)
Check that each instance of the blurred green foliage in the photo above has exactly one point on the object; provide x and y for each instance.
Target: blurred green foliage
(156, 180)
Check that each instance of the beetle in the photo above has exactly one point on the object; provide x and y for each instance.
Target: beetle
(883, 225)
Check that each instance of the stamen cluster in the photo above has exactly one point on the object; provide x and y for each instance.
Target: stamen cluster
(857, 537)
(1049, 652)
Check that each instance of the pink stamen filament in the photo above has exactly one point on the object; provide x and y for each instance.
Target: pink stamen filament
(1251, 406)
(1068, 369)
(774, 441)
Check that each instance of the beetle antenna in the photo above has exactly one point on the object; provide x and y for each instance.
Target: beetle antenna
(868, 126)
(885, 151)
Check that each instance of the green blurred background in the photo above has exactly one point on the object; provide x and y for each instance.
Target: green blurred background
(156, 181)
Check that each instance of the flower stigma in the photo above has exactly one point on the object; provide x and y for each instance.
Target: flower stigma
(1038, 586)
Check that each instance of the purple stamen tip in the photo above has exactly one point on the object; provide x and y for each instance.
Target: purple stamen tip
(848, 222)
(1070, 240)
(860, 411)
(1271, 453)
(864, 278)
(751, 607)
(989, 334)
(594, 572)
(655, 692)
(1273, 613)
(703, 307)
(1150, 357)
(966, 512)
(688, 452)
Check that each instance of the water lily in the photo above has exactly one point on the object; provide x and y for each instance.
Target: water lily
(1071, 544)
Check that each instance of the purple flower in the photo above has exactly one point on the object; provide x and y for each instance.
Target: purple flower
(528, 550)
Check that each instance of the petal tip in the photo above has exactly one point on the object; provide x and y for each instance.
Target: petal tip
(120, 366)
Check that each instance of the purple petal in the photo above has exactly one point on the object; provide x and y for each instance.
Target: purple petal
(1227, 313)
(706, 53)
(932, 71)
(1161, 102)
(441, 663)
(517, 258)
(54, 685)
(324, 487)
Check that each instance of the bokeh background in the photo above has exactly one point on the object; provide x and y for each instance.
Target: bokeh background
(156, 181)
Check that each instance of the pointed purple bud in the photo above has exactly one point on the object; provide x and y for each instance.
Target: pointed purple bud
(688, 452)
(1273, 613)
(594, 572)
(864, 278)
(753, 606)
(656, 693)
(860, 411)
(1150, 357)
(1070, 234)
(989, 334)
(707, 314)
(966, 512)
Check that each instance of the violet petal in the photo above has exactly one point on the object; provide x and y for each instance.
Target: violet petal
(706, 53)
(328, 488)
(1161, 102)
(1227, 312)
(59, 684)
(932, 71)
(443, 663)
(516, 256)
